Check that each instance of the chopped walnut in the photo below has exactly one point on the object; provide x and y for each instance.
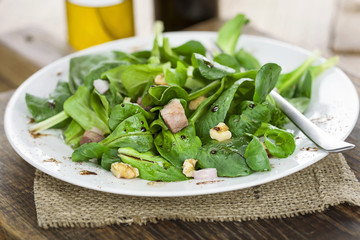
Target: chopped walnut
(189, 167)
(123, 170)
(193, 105)
(160, 80)
(220, 132)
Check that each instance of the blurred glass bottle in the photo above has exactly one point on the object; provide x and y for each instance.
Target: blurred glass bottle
(91, 22)
(179, 14)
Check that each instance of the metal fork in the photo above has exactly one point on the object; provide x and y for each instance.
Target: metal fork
(318, 136)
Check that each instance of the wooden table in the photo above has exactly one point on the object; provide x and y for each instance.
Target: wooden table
(18, 214)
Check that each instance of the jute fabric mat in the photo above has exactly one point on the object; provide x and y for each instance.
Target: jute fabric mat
(327, 183)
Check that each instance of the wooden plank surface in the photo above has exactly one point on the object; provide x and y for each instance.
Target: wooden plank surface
(18, 214)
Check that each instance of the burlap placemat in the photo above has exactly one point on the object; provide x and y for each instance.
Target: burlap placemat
(326, 183)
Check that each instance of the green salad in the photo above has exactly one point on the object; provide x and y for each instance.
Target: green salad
(173, 113)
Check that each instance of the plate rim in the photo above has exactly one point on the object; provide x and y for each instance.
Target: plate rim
(125, 191)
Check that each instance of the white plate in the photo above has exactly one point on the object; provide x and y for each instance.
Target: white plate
(334, 107)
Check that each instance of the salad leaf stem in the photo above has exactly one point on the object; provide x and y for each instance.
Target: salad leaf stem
(204, 90)
(50, 122)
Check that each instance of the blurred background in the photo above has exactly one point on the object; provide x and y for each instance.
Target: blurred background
(34, 33)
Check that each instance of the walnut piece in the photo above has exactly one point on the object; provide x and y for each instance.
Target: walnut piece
(189, 167)
(123, 170)
(220, 132)
(193, 105)
(160, 80)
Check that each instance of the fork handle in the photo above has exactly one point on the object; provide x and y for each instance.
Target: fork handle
(318, 136)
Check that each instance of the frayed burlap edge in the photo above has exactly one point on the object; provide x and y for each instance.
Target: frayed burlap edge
(331, 179)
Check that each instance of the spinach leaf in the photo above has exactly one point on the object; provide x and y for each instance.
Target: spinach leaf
(217, 112)
(203, 91)
(176, 77)
(135, 77)
(88, 151)
(300, 103)
(113, 97)
(78, 107)
(122, 111)
(265, 81)
(280, 143)
(304, 86)
(188, 48)
(227, 60)
(132, 132)
(252, 115)
(167, 54)
(230, 32)
(227, 157)
(247, 60)
(100, 105)
(73, 134)
(319, 69)
(44, 108)
(155, 52)
(114, 76)
(81, 66)
(288, 80)
(203, 107)
(256, 156)
(130, 58)
(209, 69)
(109, 157)
(142, 54)
(150, 166)
(161, 95)
(178, 147)
(98, 70)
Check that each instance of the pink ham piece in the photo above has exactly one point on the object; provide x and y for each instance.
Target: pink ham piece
(92, 135)
(174, 116)
(205, 174)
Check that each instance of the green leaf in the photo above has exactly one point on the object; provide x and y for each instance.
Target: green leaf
(203, 91)
(167, 54)
(150, 166)
(250, 119)
(161, 95)
(204, 106)
(280, 143)
(230, 32)
(81, 66)
(100, 105)
(122, 111)
(265, 81)
(247, 60)
(227, 157)
(227, 60)
(217, 112)
(78, 107)
(134, 58)
(88, 151)
(188, 48)
(176, 77)
(98, 70)
(300, 103)
(256, 156)
(209, 69)
(178, 147)
(135, 77)
(289, 80)
(44, 108)
(132, 132)
(73, 134)
(109, 157)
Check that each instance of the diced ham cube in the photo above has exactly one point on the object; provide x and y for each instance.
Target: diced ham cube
(91, 136)
(174, 116)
